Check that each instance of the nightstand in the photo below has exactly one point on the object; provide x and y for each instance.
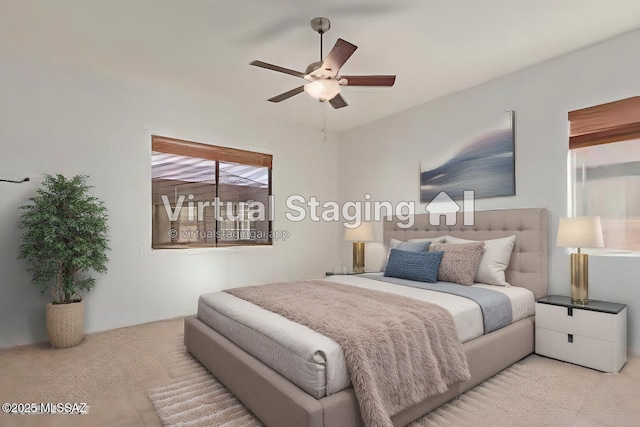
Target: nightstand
(592, 335)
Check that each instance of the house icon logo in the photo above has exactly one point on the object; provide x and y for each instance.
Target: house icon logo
(444, 206)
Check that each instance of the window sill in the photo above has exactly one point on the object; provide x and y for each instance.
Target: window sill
(626, 254)
(606, 252)
(220, 249)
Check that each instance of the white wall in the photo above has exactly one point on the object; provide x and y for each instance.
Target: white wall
(384, 158)
(58, 120)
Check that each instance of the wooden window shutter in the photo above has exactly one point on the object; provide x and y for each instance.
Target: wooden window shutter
(602, 124)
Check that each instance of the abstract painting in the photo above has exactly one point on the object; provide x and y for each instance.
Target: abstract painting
(485, 165)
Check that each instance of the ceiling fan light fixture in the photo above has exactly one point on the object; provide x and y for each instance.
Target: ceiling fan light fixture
(323, 89)
(323, 76)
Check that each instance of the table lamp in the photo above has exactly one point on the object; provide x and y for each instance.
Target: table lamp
(359, 235)
(580, 232)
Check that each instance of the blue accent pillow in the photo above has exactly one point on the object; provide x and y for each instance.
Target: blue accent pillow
(421, 246)
(418, 266)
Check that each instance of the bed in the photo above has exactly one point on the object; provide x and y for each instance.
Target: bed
(277, 401)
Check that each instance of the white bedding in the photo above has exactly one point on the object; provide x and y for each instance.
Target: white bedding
(314, 362)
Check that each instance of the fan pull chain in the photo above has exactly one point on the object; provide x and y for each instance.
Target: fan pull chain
(324, 121)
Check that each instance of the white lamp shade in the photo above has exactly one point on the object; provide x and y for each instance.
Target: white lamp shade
(580, 232)
(323, 89)
(362, 233)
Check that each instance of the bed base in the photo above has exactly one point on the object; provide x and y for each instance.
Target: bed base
(278, 402)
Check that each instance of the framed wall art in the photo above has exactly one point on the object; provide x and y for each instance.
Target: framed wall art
(484, 164)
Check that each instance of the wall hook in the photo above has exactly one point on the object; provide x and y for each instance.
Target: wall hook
(15, 182)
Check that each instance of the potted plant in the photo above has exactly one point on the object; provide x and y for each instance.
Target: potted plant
(65, 237)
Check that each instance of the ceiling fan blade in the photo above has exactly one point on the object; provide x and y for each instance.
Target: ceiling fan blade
(277, 68)
(369, 80)
(338, 102)
(341, 51)
(287, 95)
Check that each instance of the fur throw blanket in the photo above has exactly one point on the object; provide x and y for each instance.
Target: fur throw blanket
(398, 350)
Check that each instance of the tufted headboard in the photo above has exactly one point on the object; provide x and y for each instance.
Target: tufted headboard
(528, 266)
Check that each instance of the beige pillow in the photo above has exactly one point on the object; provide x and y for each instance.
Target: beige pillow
(460, 261)
(495, 259)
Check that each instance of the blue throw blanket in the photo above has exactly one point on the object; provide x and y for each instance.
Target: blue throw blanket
(495, 306)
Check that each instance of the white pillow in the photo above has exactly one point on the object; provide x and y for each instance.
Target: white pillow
(495, 259)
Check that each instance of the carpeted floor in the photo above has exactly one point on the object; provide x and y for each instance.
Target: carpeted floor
(115, 373)
(111, 371)
(543, 392)
(534, 392)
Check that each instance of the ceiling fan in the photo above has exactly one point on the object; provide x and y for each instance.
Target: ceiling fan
(323, 80)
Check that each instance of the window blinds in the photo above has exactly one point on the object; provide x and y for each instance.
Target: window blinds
(605, 123)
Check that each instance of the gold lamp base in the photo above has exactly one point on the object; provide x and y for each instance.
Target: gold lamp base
(579, 278)
(358, 257)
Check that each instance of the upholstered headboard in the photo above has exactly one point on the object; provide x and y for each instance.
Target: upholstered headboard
(528, 266)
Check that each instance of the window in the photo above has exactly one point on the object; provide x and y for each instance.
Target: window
(209, 196)
(604, 168)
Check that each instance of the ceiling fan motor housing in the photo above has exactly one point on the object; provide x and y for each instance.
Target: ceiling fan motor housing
(320, 25)
(312, 67)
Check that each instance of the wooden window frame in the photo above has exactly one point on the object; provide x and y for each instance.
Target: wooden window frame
(612, 122)
(163, 144)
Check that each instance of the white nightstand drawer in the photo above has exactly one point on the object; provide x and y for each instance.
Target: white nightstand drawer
(586, 323)
(593, 335)
(590, 352)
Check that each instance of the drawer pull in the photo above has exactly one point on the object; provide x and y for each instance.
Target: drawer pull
(570, 338)
(569, 311)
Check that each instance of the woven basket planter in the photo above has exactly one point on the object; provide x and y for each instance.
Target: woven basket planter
(65, 324)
